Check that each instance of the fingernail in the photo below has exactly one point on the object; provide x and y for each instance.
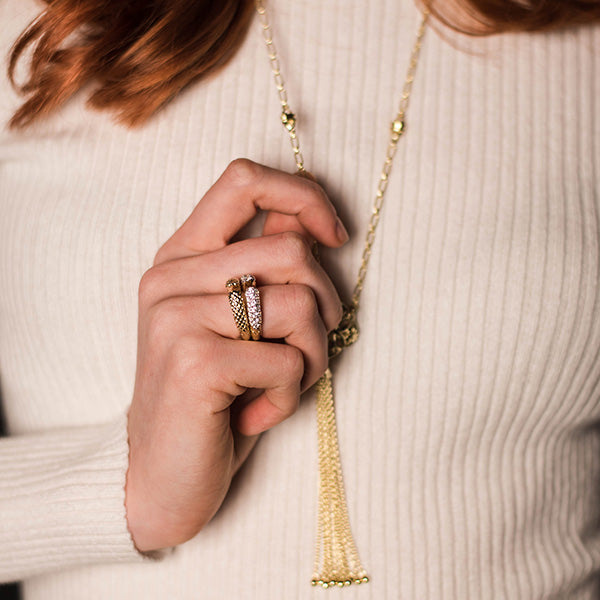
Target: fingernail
(341, 232)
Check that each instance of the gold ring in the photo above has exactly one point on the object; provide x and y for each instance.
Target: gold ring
(238, 307)
(253, 307)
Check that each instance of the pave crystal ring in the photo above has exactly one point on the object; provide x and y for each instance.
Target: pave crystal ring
(244, 299)
(253, 308)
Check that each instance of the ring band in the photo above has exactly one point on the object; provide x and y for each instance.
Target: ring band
(244, 299)
(253, 308)
(238, 307)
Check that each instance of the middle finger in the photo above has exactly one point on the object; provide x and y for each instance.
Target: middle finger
(277, 259)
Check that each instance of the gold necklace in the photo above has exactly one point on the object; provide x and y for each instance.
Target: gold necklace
(336, 558)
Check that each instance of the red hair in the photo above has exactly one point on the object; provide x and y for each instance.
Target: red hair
(484, 17)
(138, 54)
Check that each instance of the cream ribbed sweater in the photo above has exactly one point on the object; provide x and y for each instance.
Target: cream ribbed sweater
(469, 409)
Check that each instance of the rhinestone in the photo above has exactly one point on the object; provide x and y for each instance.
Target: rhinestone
(253, 305)
(248, 280)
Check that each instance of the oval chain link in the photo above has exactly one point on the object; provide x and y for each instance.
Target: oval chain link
(347, 332)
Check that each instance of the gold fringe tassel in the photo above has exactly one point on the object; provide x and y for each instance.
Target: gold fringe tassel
(337, 563)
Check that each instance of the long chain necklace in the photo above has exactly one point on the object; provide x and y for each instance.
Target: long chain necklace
(336, 558)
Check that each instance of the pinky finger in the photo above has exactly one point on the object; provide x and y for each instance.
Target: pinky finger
(277, 369)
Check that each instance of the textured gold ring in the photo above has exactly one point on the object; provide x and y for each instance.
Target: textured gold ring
(238, 307)
(253, 307)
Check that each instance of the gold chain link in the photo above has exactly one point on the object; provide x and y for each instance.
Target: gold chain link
(337, 563)
(287, 116)
(397, 129)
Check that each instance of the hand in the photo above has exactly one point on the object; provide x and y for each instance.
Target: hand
(201, 394)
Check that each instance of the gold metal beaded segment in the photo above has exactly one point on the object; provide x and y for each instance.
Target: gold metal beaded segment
(337, 563)
(238, 306)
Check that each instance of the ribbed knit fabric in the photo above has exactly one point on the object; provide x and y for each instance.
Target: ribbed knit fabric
(68, 485)
(468, 410)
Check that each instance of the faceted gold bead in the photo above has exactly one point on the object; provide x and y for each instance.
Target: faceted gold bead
(289, 120)
(398, 127)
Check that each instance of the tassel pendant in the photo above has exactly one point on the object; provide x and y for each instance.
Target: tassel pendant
(336, 559)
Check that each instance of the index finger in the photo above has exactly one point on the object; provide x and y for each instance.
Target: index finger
(243, 189)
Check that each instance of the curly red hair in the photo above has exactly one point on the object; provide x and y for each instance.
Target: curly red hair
(139, 53)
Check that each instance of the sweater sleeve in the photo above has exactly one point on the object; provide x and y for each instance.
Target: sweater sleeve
(62, 498)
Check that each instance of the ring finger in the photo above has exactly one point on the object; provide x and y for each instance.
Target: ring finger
(283, 258)
(289, 312)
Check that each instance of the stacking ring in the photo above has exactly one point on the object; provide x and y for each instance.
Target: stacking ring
(244, 299)
(253, 308)
(238, 307)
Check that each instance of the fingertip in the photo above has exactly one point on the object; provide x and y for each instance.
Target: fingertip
(251, 422)
(340, 232)
(261, 414)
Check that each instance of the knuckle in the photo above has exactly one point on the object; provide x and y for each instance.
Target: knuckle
(301, 302)
(162, 253)
(292, 363)
(188, 358)
(339, 313)
(290, 408)
(165, 318)
(218, 371)
(317, 195)
(195, 367)
(243, 172)
(152, 285)
(320, 194)
(311, 183)
(295, 247)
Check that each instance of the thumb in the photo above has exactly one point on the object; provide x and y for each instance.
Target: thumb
(278, 222)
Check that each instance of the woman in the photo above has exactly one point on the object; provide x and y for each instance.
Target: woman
(468, 408)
